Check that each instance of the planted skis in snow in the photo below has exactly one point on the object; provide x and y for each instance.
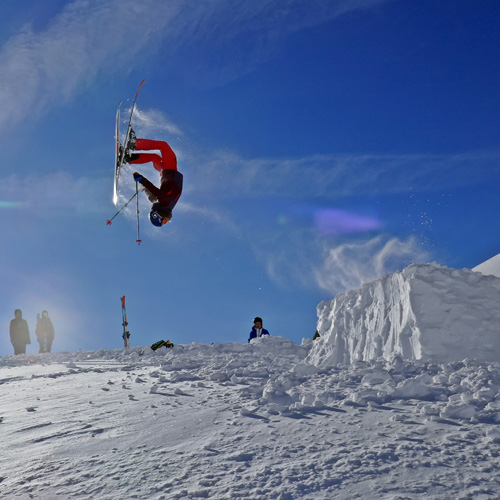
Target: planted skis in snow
(126, 333)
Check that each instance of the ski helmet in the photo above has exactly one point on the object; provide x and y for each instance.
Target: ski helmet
(156, 219)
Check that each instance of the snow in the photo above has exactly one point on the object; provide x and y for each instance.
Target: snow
(388, 404)
(424, 312)
(253, 421)
(490, 267)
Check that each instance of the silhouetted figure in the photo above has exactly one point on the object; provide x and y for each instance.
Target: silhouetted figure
(19, 333)
(44, 332)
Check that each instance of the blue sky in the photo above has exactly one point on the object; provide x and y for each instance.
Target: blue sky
(323, 144)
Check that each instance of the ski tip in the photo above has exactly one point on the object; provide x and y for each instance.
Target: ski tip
(108, 222)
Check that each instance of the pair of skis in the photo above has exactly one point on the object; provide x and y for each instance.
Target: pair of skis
(120, 152)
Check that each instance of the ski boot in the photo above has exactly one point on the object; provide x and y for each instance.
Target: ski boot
(130, 156)
(132, 140)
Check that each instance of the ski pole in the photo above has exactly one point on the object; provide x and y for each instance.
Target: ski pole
(137, 192)
(110, 221)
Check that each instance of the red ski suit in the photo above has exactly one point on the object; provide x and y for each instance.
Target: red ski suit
(171, 179)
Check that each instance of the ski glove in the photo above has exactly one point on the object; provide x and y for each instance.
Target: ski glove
(137, 177)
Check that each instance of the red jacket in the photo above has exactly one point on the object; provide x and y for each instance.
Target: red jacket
(170, 189)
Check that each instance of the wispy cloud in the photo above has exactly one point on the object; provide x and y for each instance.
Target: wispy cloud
(349, 265)
(301, 254)
(54, 192)
(153, 122)
(334, 176)
(210, 215)
(313, 261)
(326, 176)
(233, 36)
(50, 66)
(332, 257)
(40, 69)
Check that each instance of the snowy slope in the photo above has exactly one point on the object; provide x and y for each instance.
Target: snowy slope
(489, 267)
(251, 421)
(424, 312)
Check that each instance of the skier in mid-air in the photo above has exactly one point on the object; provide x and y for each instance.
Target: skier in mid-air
(165, 197)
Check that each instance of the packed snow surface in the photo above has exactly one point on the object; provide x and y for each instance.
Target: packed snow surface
(252, 421)
(424, 312)
(490, 267)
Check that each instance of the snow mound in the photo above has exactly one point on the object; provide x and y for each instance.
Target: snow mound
(491, 267)
(424, 312)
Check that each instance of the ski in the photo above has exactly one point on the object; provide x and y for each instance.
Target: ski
(121, 150)
(126, 333)
(117, 154)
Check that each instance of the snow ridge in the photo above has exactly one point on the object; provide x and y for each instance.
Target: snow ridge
(424, 312)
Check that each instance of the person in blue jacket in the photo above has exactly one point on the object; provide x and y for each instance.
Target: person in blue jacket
(257, 330)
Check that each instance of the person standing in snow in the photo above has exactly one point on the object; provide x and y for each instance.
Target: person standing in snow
(257, 330)
(163, 199)
(19, 333)
(44, 332)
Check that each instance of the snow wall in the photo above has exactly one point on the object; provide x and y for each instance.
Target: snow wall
(425, 312)
(490, 267)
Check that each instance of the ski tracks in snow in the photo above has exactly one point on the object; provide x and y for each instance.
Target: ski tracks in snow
(245, 421)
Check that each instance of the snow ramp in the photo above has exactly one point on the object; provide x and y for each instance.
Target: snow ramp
(424, 312)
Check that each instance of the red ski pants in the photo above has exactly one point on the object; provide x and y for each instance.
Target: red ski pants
(167, 160)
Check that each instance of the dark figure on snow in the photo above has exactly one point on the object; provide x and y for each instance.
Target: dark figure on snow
(257, 330)
(44, 332)
(164, 198)
(19, 333)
